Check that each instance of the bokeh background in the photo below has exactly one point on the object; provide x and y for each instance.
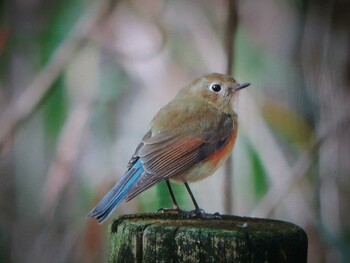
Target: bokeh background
(80, 80)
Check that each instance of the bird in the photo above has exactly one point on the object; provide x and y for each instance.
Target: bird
(188, 140)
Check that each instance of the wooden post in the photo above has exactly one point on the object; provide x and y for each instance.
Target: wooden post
(172, 238)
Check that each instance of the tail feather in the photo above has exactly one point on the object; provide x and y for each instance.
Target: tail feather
(117, 194)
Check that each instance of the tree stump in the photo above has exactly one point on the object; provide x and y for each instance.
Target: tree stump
(173, 238)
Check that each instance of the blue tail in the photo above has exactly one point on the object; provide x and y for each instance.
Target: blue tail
(117, 194)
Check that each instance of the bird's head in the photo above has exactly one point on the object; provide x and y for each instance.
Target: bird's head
(217, 89)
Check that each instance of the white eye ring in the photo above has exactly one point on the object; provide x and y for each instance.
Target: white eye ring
(215, 87)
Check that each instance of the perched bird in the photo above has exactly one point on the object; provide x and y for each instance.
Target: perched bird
(189, 138)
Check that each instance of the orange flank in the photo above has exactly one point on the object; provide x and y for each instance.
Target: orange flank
(218, 157)
(208, 166)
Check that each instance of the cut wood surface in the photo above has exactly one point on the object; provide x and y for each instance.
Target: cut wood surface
(173, 238)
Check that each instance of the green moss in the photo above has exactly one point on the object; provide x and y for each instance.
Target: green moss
(174, 238)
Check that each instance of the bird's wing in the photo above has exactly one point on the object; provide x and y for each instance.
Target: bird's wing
(164, 155)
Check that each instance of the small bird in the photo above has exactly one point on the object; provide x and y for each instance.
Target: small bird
(189, 138)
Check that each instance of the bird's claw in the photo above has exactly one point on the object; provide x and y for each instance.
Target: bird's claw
(202, 214)
(168, 210)
(190, 214)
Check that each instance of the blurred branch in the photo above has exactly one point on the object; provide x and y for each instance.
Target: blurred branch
(231, 29)
(103, 40)
(278, 192)
(18, 110)
(66, 154)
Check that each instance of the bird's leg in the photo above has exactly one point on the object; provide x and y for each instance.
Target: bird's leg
(198, 211)
(176, 206)
(187, 214)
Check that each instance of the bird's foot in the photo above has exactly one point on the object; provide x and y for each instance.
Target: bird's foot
(169, 210)
(201, 213)
(190, 214)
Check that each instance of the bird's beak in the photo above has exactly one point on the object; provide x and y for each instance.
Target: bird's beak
(242, 86)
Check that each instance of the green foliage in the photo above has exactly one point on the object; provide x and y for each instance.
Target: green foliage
(180, 192)
(63, 16)
(163, 197)
(259, 178)
(55, 109)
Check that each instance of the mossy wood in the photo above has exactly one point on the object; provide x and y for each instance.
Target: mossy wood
(172, 238)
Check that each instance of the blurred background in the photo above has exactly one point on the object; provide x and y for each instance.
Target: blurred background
(81, 80)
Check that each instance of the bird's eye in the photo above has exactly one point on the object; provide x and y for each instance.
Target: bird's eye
(215, 87)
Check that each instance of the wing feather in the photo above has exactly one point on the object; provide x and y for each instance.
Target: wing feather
(167, 170)
(164, 155)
